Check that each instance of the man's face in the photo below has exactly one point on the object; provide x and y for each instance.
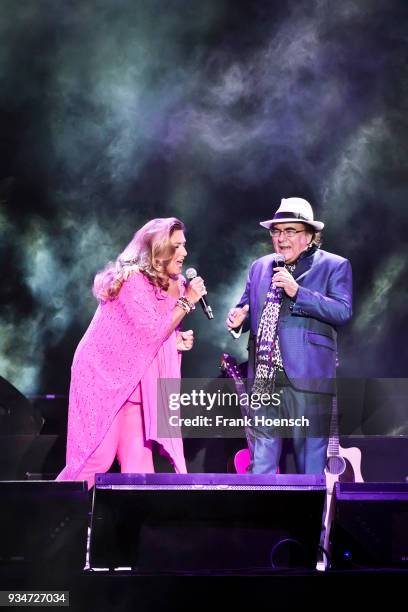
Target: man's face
(290, 246)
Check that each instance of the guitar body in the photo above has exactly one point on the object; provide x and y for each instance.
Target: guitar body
(342, 467)
(242, 460)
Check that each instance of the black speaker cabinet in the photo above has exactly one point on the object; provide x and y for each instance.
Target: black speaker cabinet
(369, 528)
(43, 524)
(383, 458)
(205, 522)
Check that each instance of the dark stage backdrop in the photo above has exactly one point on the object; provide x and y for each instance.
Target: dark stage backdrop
(115, 112)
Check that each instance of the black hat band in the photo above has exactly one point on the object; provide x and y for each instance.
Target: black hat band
(291, 215)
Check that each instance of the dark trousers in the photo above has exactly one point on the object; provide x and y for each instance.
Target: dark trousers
(309, 442)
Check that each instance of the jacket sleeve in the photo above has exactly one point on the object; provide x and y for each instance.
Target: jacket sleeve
(245, 300)
(335, 305)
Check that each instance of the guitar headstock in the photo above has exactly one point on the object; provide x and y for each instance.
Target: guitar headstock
(229, 366)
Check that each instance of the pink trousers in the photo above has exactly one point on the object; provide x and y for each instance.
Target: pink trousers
(125, 439)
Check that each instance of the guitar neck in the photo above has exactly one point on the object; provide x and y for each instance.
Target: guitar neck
(333, 446)
(240, 387)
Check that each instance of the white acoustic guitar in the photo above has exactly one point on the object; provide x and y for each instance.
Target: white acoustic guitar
(342, 465)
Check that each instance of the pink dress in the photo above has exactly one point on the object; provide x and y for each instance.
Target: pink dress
(126, 344)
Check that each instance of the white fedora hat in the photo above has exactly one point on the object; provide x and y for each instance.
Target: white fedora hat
(294, 209)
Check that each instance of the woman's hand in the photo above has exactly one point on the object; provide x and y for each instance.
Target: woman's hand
(195, 290)
(185, 340)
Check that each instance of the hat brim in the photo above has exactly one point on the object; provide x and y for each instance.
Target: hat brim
(317, 225)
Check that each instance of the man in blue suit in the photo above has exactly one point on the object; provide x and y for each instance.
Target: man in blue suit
(292, 313)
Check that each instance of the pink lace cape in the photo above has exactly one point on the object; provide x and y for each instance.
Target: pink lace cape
(126, 343)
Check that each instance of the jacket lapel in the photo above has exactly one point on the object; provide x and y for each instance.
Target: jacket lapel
(304, 266)
(264, 285)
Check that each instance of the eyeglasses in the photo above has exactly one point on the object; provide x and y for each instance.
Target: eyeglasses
(288, 233)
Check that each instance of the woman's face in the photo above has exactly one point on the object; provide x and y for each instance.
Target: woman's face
(175, 266)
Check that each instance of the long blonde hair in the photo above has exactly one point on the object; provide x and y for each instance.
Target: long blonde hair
(149, 252)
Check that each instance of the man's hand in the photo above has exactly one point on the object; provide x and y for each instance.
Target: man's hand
(283, 278)
(236, 317)
(185, 340)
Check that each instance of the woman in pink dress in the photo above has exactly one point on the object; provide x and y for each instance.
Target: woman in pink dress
(132, 342)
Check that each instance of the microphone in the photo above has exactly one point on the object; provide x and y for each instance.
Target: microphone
(278, 260)
(190, 274)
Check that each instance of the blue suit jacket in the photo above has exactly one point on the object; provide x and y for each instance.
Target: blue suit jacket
(306, 326)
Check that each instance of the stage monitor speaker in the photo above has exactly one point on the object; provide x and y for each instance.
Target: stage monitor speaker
(369, 528)
(206, 522)
(43, 524)
(16, 413)
(383, 458)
